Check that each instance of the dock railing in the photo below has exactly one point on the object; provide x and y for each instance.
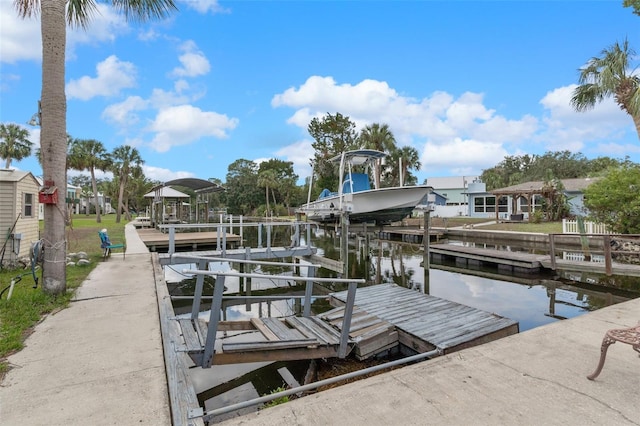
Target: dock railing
(222, 228)
(597, 248)
(206, 360)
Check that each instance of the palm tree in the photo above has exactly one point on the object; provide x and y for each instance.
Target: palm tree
(610, 75)
(124, 160)
(14, 143)
(54, 15)
(380, 138)
(267, 179)
(403, 160)
(89, 154)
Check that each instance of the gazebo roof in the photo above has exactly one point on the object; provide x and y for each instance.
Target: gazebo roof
(166, 192)
(200, 186)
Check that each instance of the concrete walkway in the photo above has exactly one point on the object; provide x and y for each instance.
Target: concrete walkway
(99, 362)
(532, 378)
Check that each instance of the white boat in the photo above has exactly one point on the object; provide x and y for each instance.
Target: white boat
(358, 200)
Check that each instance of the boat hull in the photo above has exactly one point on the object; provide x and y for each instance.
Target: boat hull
(381, 206)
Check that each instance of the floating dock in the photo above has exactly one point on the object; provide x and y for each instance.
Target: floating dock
(156, 240)
(519, 262)
(408, 235)
(471, 257)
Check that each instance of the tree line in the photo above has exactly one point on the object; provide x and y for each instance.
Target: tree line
(596, 79)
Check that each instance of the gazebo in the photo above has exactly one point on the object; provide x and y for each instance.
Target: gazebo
(168, 204)
(527, 197)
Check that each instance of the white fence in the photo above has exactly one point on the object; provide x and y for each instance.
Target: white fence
(571, 227)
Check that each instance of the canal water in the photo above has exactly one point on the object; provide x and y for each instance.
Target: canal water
(532, 300)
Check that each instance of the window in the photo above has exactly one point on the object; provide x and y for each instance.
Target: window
(28, 205)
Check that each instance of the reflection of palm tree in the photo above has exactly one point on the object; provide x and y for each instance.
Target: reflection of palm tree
(610, 76)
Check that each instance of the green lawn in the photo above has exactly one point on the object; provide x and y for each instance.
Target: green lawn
(27, 305)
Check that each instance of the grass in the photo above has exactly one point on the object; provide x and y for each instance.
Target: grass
(543, 227)
(27, 305)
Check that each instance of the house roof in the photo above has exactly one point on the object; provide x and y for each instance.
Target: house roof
(537, 187)
(12, 175)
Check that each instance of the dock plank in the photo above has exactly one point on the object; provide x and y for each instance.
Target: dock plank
(279, 328)
(434, 322)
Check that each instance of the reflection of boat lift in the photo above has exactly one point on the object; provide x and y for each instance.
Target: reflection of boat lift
(551, 293)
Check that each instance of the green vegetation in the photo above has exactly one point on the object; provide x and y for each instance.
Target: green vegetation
(28, 305)
(614, 201)
(277, 401)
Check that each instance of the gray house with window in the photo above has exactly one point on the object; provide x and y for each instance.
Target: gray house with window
(517, 201)
(18, 213)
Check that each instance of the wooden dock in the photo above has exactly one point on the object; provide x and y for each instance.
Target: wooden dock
(279, 339)
(384, 316)
(519, 262)
(156, 240)
(408, 235)
(473, 257)
(425, 322)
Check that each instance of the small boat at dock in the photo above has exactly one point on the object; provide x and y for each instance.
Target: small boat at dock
(358, 200)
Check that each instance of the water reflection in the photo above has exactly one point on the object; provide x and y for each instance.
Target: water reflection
(532, 300)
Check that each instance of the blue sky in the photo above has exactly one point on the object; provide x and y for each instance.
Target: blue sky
(465, 83)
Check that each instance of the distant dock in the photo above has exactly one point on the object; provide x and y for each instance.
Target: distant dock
(156, 240)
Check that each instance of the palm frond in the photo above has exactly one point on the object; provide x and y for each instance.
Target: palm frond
(143, 10)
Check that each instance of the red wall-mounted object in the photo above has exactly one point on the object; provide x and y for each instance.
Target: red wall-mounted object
(48, 194)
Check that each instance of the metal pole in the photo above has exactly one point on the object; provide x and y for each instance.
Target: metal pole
(197, 294)
(214, 318)
(344, 243)
(346, 320)
(172, 240)
(431, 354)
(311, 272)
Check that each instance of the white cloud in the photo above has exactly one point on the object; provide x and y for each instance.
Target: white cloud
(112, 75)
(205, 6)
(193, 61)
(20, 39)
(300, 154)
(571, 130)
(164, 175)
(181, 125)
(440, 123)
(124, 113)
(473, 154)
(105, 26)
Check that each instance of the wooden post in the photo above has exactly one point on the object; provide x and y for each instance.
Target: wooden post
(608, 267)
(552, 251)
(425, 243)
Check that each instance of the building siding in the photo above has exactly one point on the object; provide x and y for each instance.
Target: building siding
(12, 204)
